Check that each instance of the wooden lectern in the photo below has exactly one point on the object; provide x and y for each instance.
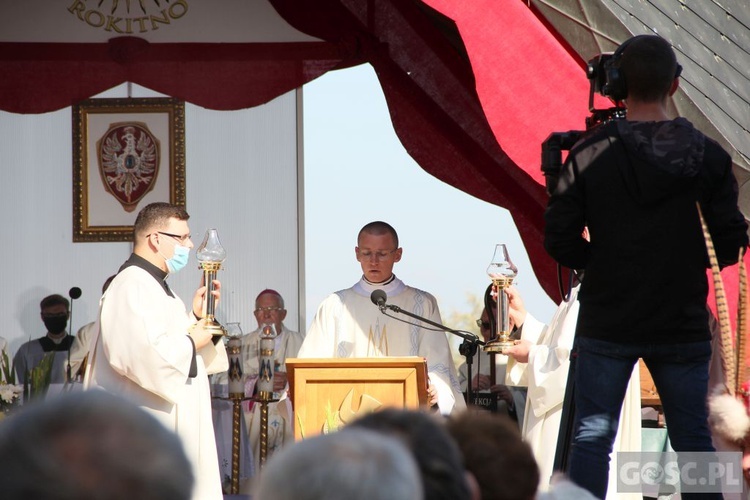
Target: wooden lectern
(331, 392)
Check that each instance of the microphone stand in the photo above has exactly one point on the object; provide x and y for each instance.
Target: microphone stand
(74, 293)
(567, 417)
(69, 377)
(565, 434)
(467, 348)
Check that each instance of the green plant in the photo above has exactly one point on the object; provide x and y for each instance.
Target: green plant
(7, 372)
(41, 376)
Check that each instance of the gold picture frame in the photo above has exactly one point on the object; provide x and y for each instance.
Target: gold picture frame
(127, 152)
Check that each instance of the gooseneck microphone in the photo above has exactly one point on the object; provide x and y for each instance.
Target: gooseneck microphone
(379, 297)
(471, 341)
(74, 292)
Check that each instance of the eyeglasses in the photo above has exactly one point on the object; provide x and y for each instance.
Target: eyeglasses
(181, 238)
(269, 309)
(379, 255)
(483, 324)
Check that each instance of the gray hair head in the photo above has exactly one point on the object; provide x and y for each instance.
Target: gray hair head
(358, 463)
(90, 446)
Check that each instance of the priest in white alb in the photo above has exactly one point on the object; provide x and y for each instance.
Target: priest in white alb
(153, 352)
(269, 310)
(348, 325)
(540, 360)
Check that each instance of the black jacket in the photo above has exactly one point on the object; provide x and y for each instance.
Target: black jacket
(635, 185)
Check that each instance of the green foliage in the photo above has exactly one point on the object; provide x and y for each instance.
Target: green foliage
(7, 372)
(41, 376)
(466, 321)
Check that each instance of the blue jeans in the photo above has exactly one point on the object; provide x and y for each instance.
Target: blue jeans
(602, 373)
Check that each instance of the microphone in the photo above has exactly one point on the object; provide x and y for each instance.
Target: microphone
(74, 292)
(378, 297)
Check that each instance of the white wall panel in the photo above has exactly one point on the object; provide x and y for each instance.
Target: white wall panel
(241, 177)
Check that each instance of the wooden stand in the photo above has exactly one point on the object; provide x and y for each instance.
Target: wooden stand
(329, 393)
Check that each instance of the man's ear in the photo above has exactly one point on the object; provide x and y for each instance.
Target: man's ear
(397, 254)
(149, 242)
(673, 88)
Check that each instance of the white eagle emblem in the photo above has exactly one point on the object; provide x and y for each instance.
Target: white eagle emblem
(128, 162)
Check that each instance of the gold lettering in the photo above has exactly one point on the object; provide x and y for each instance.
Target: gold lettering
(112, 24)
(142, 23)
(164, 20)
(127, 25)
(78, 8)
(181, 3)
(93, 13)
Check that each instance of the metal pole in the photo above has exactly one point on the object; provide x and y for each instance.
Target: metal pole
(263, 432)
(236, 422)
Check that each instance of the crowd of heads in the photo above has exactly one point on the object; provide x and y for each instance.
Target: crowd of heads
(474, 455)
(94, 445)
(436, 453)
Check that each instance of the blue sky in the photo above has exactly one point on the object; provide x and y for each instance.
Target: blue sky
(357, 171)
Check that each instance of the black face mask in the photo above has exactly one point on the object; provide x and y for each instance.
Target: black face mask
(55, 324)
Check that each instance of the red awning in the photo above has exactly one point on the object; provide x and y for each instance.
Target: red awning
(473, 88)
(42, 77)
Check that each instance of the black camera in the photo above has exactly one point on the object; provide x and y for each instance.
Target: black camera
(596, 72)
(605, 77)
(599, 71)
(552, 148)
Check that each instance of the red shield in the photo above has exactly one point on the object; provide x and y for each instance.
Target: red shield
(128, 155)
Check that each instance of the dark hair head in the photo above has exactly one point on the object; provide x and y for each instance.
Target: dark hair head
(156, 216)
(378, 228)
(438, 457)
(495, 453)
(649, 66)
(54, 300)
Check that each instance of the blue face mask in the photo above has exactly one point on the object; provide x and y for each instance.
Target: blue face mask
(179, 259)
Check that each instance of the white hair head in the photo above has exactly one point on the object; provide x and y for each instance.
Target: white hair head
(358, 463)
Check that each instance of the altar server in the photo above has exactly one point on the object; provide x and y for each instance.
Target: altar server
(153, 352)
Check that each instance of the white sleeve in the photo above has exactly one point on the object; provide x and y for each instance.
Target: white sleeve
(516, 373)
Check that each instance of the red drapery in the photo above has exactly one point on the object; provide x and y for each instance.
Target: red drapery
(475, 122)
(42, 77)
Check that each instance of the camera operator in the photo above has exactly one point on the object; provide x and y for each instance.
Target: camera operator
(635, 183)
